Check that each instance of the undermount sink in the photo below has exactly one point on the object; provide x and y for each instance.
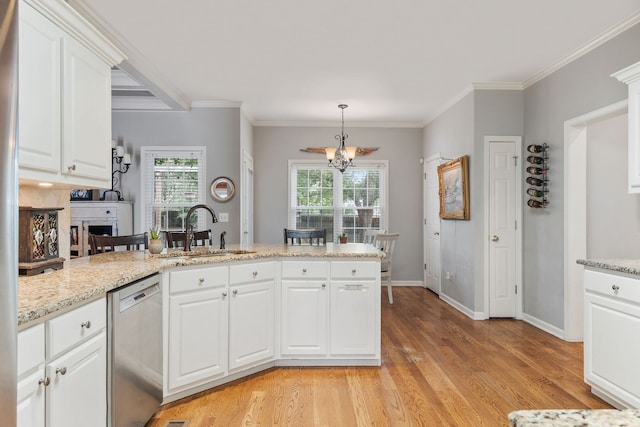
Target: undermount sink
(204, 253)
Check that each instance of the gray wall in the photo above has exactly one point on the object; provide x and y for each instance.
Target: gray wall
(274, 146)
(576, 89)
(459, 131)
(216, 128)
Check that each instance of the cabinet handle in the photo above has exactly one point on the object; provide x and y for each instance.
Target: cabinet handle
(615, 288)
(324, 285)
(62, 370)
(235, 292)
(353, 287)
(255, 273)
(224, 294)
(201, 279)
(86, 324)
(71, 168)
(304, 270)
(44, 381)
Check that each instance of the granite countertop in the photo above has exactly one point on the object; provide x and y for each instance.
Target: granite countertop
(629, 266)
(575, 417)
(89, 278)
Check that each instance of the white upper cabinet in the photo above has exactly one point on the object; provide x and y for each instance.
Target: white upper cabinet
(631, 76)
(64, 113)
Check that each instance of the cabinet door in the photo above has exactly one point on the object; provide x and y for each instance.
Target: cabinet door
(251, 324)
(304, 318)
(197, 337)
(354, 318)
(77, 392)
(39, 92)
(31, 400)
(86, 114)
(612, 348)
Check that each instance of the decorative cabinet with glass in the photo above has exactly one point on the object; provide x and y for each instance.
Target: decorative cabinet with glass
(38, 240)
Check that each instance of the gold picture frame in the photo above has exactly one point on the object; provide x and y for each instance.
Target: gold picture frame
(453, 188)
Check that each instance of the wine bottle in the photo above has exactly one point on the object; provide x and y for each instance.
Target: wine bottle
(535, 160)
(534, 148)
(536, 181)
(536, 204)
(535, 192)
(536, 171)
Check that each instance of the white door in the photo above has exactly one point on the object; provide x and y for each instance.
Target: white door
(246, 238)
(502, 229)
(431, 225)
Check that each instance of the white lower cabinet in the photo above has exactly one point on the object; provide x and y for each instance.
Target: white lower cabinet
(304, 317)
(353, 312)
(66, 386)
(611, 345)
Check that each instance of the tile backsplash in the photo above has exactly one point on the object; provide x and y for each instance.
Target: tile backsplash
(49, 198)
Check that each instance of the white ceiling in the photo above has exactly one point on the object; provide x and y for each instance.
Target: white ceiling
(394, 62)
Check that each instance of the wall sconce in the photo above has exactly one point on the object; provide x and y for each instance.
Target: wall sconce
(120, 163)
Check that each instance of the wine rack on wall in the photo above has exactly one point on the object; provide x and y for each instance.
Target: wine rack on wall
(537, 168)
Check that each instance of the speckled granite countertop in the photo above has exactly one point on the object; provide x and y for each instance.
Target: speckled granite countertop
(89, 278)
(572, 418)
(629, 266)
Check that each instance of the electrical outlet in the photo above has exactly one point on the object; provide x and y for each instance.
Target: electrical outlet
(223, 217)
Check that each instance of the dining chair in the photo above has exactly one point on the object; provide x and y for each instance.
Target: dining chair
(370, 235)
(387, 244)
(299, 237)
(110, 243)
(178, 239)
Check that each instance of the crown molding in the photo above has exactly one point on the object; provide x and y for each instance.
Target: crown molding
(588, 47)
(216, 104)
(136, 64)
(138, 103)
(628, 75)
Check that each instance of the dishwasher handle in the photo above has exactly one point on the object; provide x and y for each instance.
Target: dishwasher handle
(136, 298)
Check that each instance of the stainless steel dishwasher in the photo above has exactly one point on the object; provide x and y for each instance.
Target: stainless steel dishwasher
(135, 352)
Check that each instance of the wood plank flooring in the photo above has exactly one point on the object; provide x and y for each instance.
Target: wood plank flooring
(439, 368)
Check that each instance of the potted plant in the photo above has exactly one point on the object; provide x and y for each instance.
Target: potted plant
(155, 243)
(342, 237)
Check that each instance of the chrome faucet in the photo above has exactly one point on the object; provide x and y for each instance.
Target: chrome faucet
(187, 244)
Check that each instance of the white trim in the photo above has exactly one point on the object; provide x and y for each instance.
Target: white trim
(557, 332)
(407, 283)
(586, 48)
(462, 309)
(216, 104)
(335, 124)
(137, 103)
(629, 74)
(517, 141)
(575, 213)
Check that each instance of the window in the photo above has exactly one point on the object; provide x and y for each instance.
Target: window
(351, 202)
(173, 181)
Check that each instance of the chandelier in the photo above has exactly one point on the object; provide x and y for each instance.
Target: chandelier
(341, 157)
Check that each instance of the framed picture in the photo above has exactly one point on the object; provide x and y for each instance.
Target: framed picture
(81, 194)
(453, 180)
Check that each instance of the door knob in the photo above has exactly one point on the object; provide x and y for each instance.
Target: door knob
(495, 238)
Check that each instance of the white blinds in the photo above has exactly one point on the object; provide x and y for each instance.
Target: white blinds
(351, 202)
(173, 181)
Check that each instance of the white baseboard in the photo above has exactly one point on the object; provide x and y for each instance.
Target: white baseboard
(555, 331)
(461, 308)
(405, 283)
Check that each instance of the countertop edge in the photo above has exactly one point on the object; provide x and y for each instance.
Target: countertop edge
(627, 266)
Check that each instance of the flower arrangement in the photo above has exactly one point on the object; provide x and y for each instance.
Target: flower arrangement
(154, 233)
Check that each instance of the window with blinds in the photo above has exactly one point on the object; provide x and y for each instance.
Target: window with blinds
(349, 202)
(173, 181)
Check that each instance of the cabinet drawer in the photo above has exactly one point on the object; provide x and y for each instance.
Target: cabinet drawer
(305, 269)
(68, 329)
(354, 270)
(201, 278)
(612, 285)
(30, 348)
(248, 273)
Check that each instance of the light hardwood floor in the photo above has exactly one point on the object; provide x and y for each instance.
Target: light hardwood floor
(439, 368)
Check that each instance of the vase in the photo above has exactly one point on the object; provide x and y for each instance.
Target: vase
(343, 239)
(155, 246)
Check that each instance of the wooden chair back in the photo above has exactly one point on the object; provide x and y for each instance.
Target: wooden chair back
(110, 243)
(299, 237)
(178, 239)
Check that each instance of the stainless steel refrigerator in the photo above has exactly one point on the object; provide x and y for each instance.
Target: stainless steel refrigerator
(8, 210)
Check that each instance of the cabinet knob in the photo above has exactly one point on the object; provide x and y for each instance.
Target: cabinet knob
(353, 271)
(235, 292)
(324, 285)
(224, 294)
(304, 270)
(86, 324)
(615, 288)
(62, 370)
(255, 273)
(44, 381)
(71, 168)
(201, 279)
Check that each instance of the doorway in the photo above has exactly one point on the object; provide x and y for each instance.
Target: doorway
(431, 211)
(503, 226)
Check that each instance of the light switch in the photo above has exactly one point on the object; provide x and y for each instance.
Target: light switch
(223, 217)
